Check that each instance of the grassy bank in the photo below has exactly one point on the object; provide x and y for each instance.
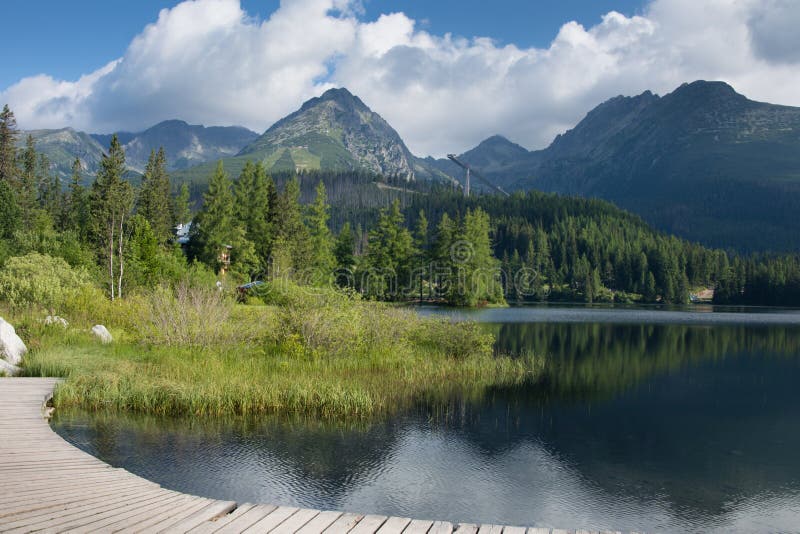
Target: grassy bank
(304, 352)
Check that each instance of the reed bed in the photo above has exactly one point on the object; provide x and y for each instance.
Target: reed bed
(318, 353)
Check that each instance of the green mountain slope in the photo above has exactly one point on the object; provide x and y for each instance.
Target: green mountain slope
(337, 131)
(63, 146)
(333, 132)
(185, 144)
(703, 162)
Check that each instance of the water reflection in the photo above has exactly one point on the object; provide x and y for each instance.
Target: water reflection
(633, 427)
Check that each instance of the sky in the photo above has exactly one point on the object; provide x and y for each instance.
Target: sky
(446, 73)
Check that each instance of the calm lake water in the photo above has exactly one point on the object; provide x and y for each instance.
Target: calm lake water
(643, 419)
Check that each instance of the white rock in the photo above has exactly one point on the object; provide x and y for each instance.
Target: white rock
(11, 346)
(55, 319)
(8, 369)
(102, 333)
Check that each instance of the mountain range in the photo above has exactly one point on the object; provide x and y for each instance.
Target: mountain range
(703, 162)
(185, 145)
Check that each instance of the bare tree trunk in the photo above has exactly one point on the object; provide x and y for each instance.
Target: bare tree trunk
(120, 239)
(111, 255)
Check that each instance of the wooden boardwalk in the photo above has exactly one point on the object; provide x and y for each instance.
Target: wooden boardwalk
(48, 485)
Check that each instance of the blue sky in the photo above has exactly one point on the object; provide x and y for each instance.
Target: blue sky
(66, 39)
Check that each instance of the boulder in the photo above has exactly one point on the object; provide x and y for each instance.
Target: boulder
(8, 369)
(102, 333)
(56, 320)
(11, 346)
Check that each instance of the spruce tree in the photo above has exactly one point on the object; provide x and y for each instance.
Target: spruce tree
(76, 209)
(291, 250)
(181, 211)
(9, 211)
(8, 146)
(323, 261)
(213, 228)
(25, 184)
(111, 201)
(155, 201)
(252, 193)
(389, 255)
(344, 248)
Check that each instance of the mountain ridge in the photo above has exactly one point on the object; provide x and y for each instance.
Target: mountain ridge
(703, 162)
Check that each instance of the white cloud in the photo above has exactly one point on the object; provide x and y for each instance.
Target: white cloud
(207, 61)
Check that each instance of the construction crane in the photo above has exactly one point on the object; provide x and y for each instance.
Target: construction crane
(454, 159)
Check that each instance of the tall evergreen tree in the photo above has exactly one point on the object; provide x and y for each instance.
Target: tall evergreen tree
(253, 210)
(344, 249)
(9, 211)
(76, 209)
(155, 201)
(213, 228)
(323, 261)
(25, 184)
(389, 255)
(422, 258)
(291, 250)
(181, 211)
(111, 202)
(49, 188)
(8, 145)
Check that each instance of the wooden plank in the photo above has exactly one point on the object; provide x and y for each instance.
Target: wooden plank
(441, 527)
(320, 523)
(297, 521)
(209, 513)
(275, 518)
(248, 519)
(394, 525)
(466, 528)
(68, 518)
(369, 524)
(344, 524)
(418, 526)
(45, 500)
(513, 530)
(115, 519)
(212, 525)
(490, 529)
(160, 522)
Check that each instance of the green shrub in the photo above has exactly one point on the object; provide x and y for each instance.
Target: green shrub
(457, 340)
(185, 315)
(40, 280)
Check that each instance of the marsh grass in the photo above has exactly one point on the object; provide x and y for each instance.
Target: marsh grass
(319, 353)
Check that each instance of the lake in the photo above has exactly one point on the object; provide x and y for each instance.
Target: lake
(643, 419)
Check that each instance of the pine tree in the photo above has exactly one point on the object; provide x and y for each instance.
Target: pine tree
(291, 250)
(155, 201)
(213, 228)
(323, 261)
(76, 209)
(181, 212)
(111, 201)
(9, 211)
(344, 249)
(422, 257)
(8, 146)
(253, 211)
(25, 184)
(389, 255)
(49, 188)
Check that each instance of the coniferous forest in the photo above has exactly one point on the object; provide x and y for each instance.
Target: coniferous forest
(382, 236)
